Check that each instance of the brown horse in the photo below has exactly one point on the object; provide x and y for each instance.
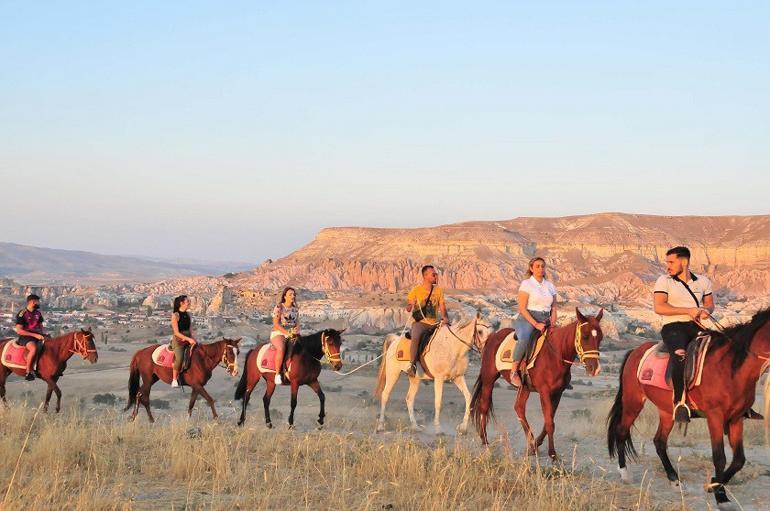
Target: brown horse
(731, 370)
(53, 361)
(550, 375)
(203, 360)
(305, 368)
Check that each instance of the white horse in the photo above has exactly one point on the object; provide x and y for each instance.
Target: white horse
(447, 360)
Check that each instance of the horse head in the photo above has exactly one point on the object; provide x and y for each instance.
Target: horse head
(230, 355)
(331, 345)
(83, 344)
(588, 337)
(481, 332)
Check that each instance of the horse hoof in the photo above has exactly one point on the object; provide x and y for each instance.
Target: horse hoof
(291, 427)
(461, 430)
(624, 475)
(380, 428)
(417, 427)
(269, 425)
(728, 506)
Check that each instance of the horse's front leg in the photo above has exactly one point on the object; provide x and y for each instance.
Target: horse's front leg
(438, 392)
(548, 402)
(414, 385)
(193, 399)
(735, 436)
(57, 391)
(322, 398)
(463, 386)
(48, 394)
(716, 426)
(294, 391)
(202, 391)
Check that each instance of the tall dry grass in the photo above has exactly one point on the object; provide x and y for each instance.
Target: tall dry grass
(74, 461)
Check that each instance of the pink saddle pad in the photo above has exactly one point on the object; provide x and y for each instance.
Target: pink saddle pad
(653, 371)
(163, 356)
(14, 356)
(267, 358)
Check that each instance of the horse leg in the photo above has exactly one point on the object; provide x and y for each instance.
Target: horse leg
(193, 399)
(322, 398)
(390, 382)
(48, 394)
(665, 425)
(460, 383)
(266, 399)
(414, 386)
(735, 436)
(716, 432)
(294, 391)
(521, 411)
(556, 398)
(57, 391)
(547, 401)
(3, 376)
(484, 403)
(202, 391)
(438, 392)
(245, 402)
(144, 398)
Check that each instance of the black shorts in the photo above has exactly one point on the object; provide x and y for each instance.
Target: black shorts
(24, 339)
(678, 335)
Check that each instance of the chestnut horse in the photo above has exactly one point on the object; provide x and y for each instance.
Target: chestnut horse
(203, 360)
(550, 375)
(52, 361)
(732, 367)
(305, 368)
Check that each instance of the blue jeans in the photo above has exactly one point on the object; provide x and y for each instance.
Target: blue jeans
(524, 332)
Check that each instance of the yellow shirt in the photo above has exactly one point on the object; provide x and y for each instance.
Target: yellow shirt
(419, 294)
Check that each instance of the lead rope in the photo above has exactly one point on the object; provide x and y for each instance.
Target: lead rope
(341, 374)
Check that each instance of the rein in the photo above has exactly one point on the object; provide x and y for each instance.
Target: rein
(80, 345)
(473, 345)
(723, 331)
(582, 353)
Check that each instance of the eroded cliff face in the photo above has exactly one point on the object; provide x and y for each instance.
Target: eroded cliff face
(608, 255)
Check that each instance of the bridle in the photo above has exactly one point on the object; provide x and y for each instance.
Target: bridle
(475, 338)
(231, 367)
(723, 331)
(80, 345)
(582, 353)
(333, 358)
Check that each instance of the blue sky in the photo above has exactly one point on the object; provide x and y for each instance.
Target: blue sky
(237, 130)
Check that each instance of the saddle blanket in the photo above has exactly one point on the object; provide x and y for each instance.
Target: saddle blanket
(504, 356)
(14, 356)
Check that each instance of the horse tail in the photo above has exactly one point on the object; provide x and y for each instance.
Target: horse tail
(133, 381)
(381, 374)
(476, 414)
(767, 409)
(240, 390)
(614, 443)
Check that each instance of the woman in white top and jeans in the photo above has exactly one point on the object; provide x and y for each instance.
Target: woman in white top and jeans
(537, 310)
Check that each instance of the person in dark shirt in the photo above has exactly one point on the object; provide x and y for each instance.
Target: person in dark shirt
(29, 326)
(181, 326)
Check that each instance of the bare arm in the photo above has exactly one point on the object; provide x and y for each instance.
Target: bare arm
(277, 326)
(444, 313)
(409, 305)
(21, 331)
(553, 312)
(662, 307)
(523, 301)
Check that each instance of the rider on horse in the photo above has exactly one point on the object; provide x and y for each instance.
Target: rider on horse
(537, 311)
(683, 299)
(182, 340)
(285, 327)
(423, 302)
(29, 326)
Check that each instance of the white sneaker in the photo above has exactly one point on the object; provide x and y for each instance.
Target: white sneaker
(278, 379)
(174, 384)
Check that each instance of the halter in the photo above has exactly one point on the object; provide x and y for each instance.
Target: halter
(80, 345)
(581, 353)
(333, 358)
(232, 367)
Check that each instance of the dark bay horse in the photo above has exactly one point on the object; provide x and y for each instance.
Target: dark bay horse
(305, 368)
(53, 361)
(203, 360)
(732, 367)
(550, 375)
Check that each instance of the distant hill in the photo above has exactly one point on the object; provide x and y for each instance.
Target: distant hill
(604, 256)
(49, 265)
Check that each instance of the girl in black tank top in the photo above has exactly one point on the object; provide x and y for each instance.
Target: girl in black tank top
(184, 322)
(182, 339)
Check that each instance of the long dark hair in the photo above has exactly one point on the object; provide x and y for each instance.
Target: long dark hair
(178, 302)
(283, 296)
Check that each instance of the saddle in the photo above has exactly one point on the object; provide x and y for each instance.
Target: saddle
(504, 355)
(15, 356)
(423, 346)
(655, 365)
(266, 360)
(164, 357)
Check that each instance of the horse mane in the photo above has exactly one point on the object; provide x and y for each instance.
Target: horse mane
(738, 337)
(464, 323)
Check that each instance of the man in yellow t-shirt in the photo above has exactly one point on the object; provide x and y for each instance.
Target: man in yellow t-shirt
(424, 300)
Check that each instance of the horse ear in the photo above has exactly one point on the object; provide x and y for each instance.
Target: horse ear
(340, 332)
(579, 315)
(478, 314)
(599, 316)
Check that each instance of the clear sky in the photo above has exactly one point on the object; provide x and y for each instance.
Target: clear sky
(235, 130)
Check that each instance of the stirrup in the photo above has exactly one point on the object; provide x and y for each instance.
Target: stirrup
(682, 412)
(412, 371)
